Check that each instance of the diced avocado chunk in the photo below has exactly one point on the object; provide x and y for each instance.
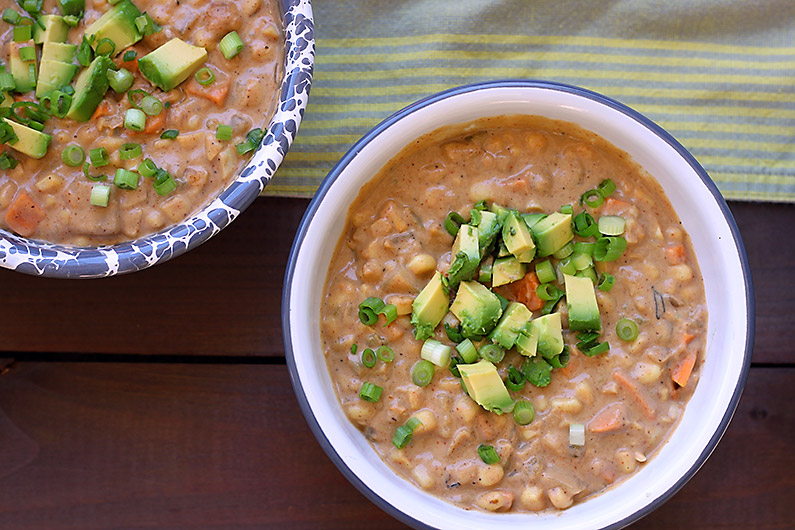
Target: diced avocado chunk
(90, 88)
(517, 238)
(29, 141)
(527, 341)
(583, 308)
(477, 308)
(54, 74)
(552, 233)
(488, 228)
(74, 8)
(466, 256)
(513, 321)
(429, 308)
(172, 63)
(58, 51)
(550, 334)
(7, 100)
(507, 270)
(531, 219)
(24, 72)
(55, 29)
(485, 386)
(501, 211)
(118, 25)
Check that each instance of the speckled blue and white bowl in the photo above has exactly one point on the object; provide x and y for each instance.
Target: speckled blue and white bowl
(704, 214)
(61, 261)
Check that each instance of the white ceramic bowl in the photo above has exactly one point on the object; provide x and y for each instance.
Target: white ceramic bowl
(705, 216)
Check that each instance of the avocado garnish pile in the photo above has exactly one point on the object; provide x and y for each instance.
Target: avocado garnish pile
(502, 247)
(49, 81)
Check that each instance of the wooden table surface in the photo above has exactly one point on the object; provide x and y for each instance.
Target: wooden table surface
(161, 399)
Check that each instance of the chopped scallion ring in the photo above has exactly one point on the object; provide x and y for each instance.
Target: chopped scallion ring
(581, 260)
(515, 381)
(385, 353)
(129, 151)
(547, 291)
(597, 349)
(606, 187)
(126, 180)
(73, 155)
(453, 365)
(567, 209)
(592, 198)
(100, 195)
(369, 310)
(22, 33)
(434, 351)
(136, 96)
(523, 412)
(151, 105)
(120, 80)
(7, 161)
(11, 16)
(545, 272)
(105, 47)
(403, 433)
(135, 120)
(584, 247)
(129, 56)
(147, 168)
(606, 282)
(204, 76)
(422, 373)
(56, 103)
(585, 225)
(564, 251)
(488, 454)
(370, 392)
(566, 266)
(224, 132)
(492, 352)
(466, 348)
(627, 329)
(230, 45)
(99, 157)
(245, 147)
(453, 222)
(26, 53)
(612, 225)
(164, 182)
(609, 248)
(169, 134)
(97, 178)
(368, 357)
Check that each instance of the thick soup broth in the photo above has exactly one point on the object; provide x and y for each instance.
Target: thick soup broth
(627, 399)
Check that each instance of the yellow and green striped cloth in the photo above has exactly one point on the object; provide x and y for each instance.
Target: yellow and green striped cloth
(719, 75)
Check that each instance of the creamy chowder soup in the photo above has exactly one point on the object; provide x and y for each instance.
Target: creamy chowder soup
(128, 116)
(513, 317)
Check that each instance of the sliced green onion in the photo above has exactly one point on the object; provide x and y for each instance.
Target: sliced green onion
(126, 180)
(27, 53)
(56, 103)
(369, 310)
(31, 6)
(612, 225)
(105, 47)
(627, 329)
(567, 209)
(96, 178)
(606, 187)
(436, 352)
(147, 168)
(564, 251)
(581, 261)
(597, 349)
(11, 16)
(22, 33)
(85, 53)
(403, 433)
(245, 147)
(515, 380)
(368, 357)
(390, 313)
(7, 161)
(151, 105)
(73, 155)
(585, 225)
(120, 80)
(545, 272)
(255, 136)
(224, 132)
(422, 373)
(354, 347)
(370, 392)
(99, 157)
(129, 56)
(609, 248)
(164, 182)
(130, 150)
(385, 353)
(584, 247)
(30, 111)
(72, 7)
(71, 20)
(231, 44)
(145, 25)
(453, 222)
(486, 272)
(204, 76)
(588, 272)
(135, 120)
(466, 348)
(7, 83)
(523, 412)
(492, 352)
(100, 195)
(606, 282)
(560, 360)
(547, 291)
(453, 333)
(488, 454)
(567, 267)
(36, 125)
(7, 134)
(169, 134)
(453, 366)
(576, 434)
(592, 198)
(134, 99)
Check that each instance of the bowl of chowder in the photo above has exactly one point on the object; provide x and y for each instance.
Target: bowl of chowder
(518, 303)
(133, 131)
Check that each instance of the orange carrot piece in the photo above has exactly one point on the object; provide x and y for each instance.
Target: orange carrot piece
(681, 373)
(688, 337)
(631, 387)
(24, 215)
(524, 291)
(103, 109)
(215, 92)
(613, 206)
(155, 124)
(675, 254)
(609, 419)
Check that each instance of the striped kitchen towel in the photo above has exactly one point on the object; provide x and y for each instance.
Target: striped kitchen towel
(719, 75)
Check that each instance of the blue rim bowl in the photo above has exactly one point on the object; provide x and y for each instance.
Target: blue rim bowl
(705, 216)
(62, 261)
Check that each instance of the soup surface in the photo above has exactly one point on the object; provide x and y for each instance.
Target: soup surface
(45, 198)
(609, 402)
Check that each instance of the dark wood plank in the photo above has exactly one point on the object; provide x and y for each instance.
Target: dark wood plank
(107, 445)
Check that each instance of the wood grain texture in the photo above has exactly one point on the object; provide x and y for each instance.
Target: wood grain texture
(133, 446)
(224, 297)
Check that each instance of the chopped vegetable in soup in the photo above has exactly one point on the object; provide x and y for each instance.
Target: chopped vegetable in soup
(120, 118)
(542, 306)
